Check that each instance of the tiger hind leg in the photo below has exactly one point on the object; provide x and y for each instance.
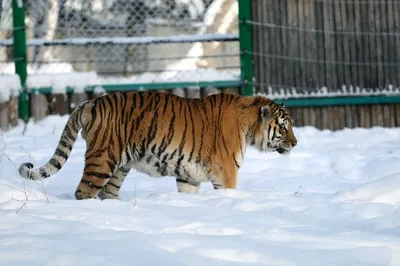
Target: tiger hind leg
(111, 189)
(96, 174)
(187, 186)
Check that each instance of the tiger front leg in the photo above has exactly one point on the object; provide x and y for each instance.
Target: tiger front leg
(224, 176)
(111, 189)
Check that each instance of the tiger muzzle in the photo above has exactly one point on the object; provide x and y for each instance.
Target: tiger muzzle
(281, 150)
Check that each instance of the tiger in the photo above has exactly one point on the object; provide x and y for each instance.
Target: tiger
(192, 140)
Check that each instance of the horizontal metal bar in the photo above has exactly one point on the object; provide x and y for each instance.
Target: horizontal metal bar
(211, 37)
(338, 101)
(232, 68)
(146, 86)
(9, 60)
(19, 28)
(134, 60)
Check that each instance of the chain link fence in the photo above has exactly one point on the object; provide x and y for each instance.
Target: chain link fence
(120, 38)
(6, 33)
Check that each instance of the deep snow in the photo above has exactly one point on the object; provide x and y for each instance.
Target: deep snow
(333, 201)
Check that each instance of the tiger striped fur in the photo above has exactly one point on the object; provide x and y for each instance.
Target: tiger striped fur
(193, 140)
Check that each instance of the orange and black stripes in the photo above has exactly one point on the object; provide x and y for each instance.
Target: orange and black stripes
(162, 134)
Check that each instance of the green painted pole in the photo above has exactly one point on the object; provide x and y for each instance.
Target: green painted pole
(246, 47)
(19, 48)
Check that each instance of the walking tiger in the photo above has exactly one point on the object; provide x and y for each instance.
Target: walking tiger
(160, 134)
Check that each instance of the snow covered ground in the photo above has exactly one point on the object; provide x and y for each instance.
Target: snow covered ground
(333, 201)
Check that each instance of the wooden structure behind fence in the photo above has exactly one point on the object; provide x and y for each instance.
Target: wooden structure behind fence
(349, 116)
(309, 44)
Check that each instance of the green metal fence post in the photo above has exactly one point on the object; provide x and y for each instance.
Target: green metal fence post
(19, 48)
(246, 47)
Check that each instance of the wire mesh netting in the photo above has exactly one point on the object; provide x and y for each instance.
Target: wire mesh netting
(306, 48)
(6, 33)
(113, 38)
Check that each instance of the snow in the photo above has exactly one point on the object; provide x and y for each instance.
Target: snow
(287, 93)
(383, 190)
(333, 201)
(191, 63)
(60, 81)
(194, 8)
(130, 40)
(231, 15)
(10, 85)
(176, 74)
(32, 69)
(212, 12)
(79, 80)
(62, 74)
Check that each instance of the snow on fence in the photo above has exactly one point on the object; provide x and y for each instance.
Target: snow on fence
(10, 86)
(175, 39)
(59, 83)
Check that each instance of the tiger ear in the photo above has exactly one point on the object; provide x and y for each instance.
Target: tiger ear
(265, 112)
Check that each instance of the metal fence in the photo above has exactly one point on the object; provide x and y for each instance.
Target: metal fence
(326, 48)
(141, 39)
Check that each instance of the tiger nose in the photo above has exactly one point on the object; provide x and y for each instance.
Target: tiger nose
(293, 142)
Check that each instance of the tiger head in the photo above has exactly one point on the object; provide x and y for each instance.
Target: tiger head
(275, 130)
